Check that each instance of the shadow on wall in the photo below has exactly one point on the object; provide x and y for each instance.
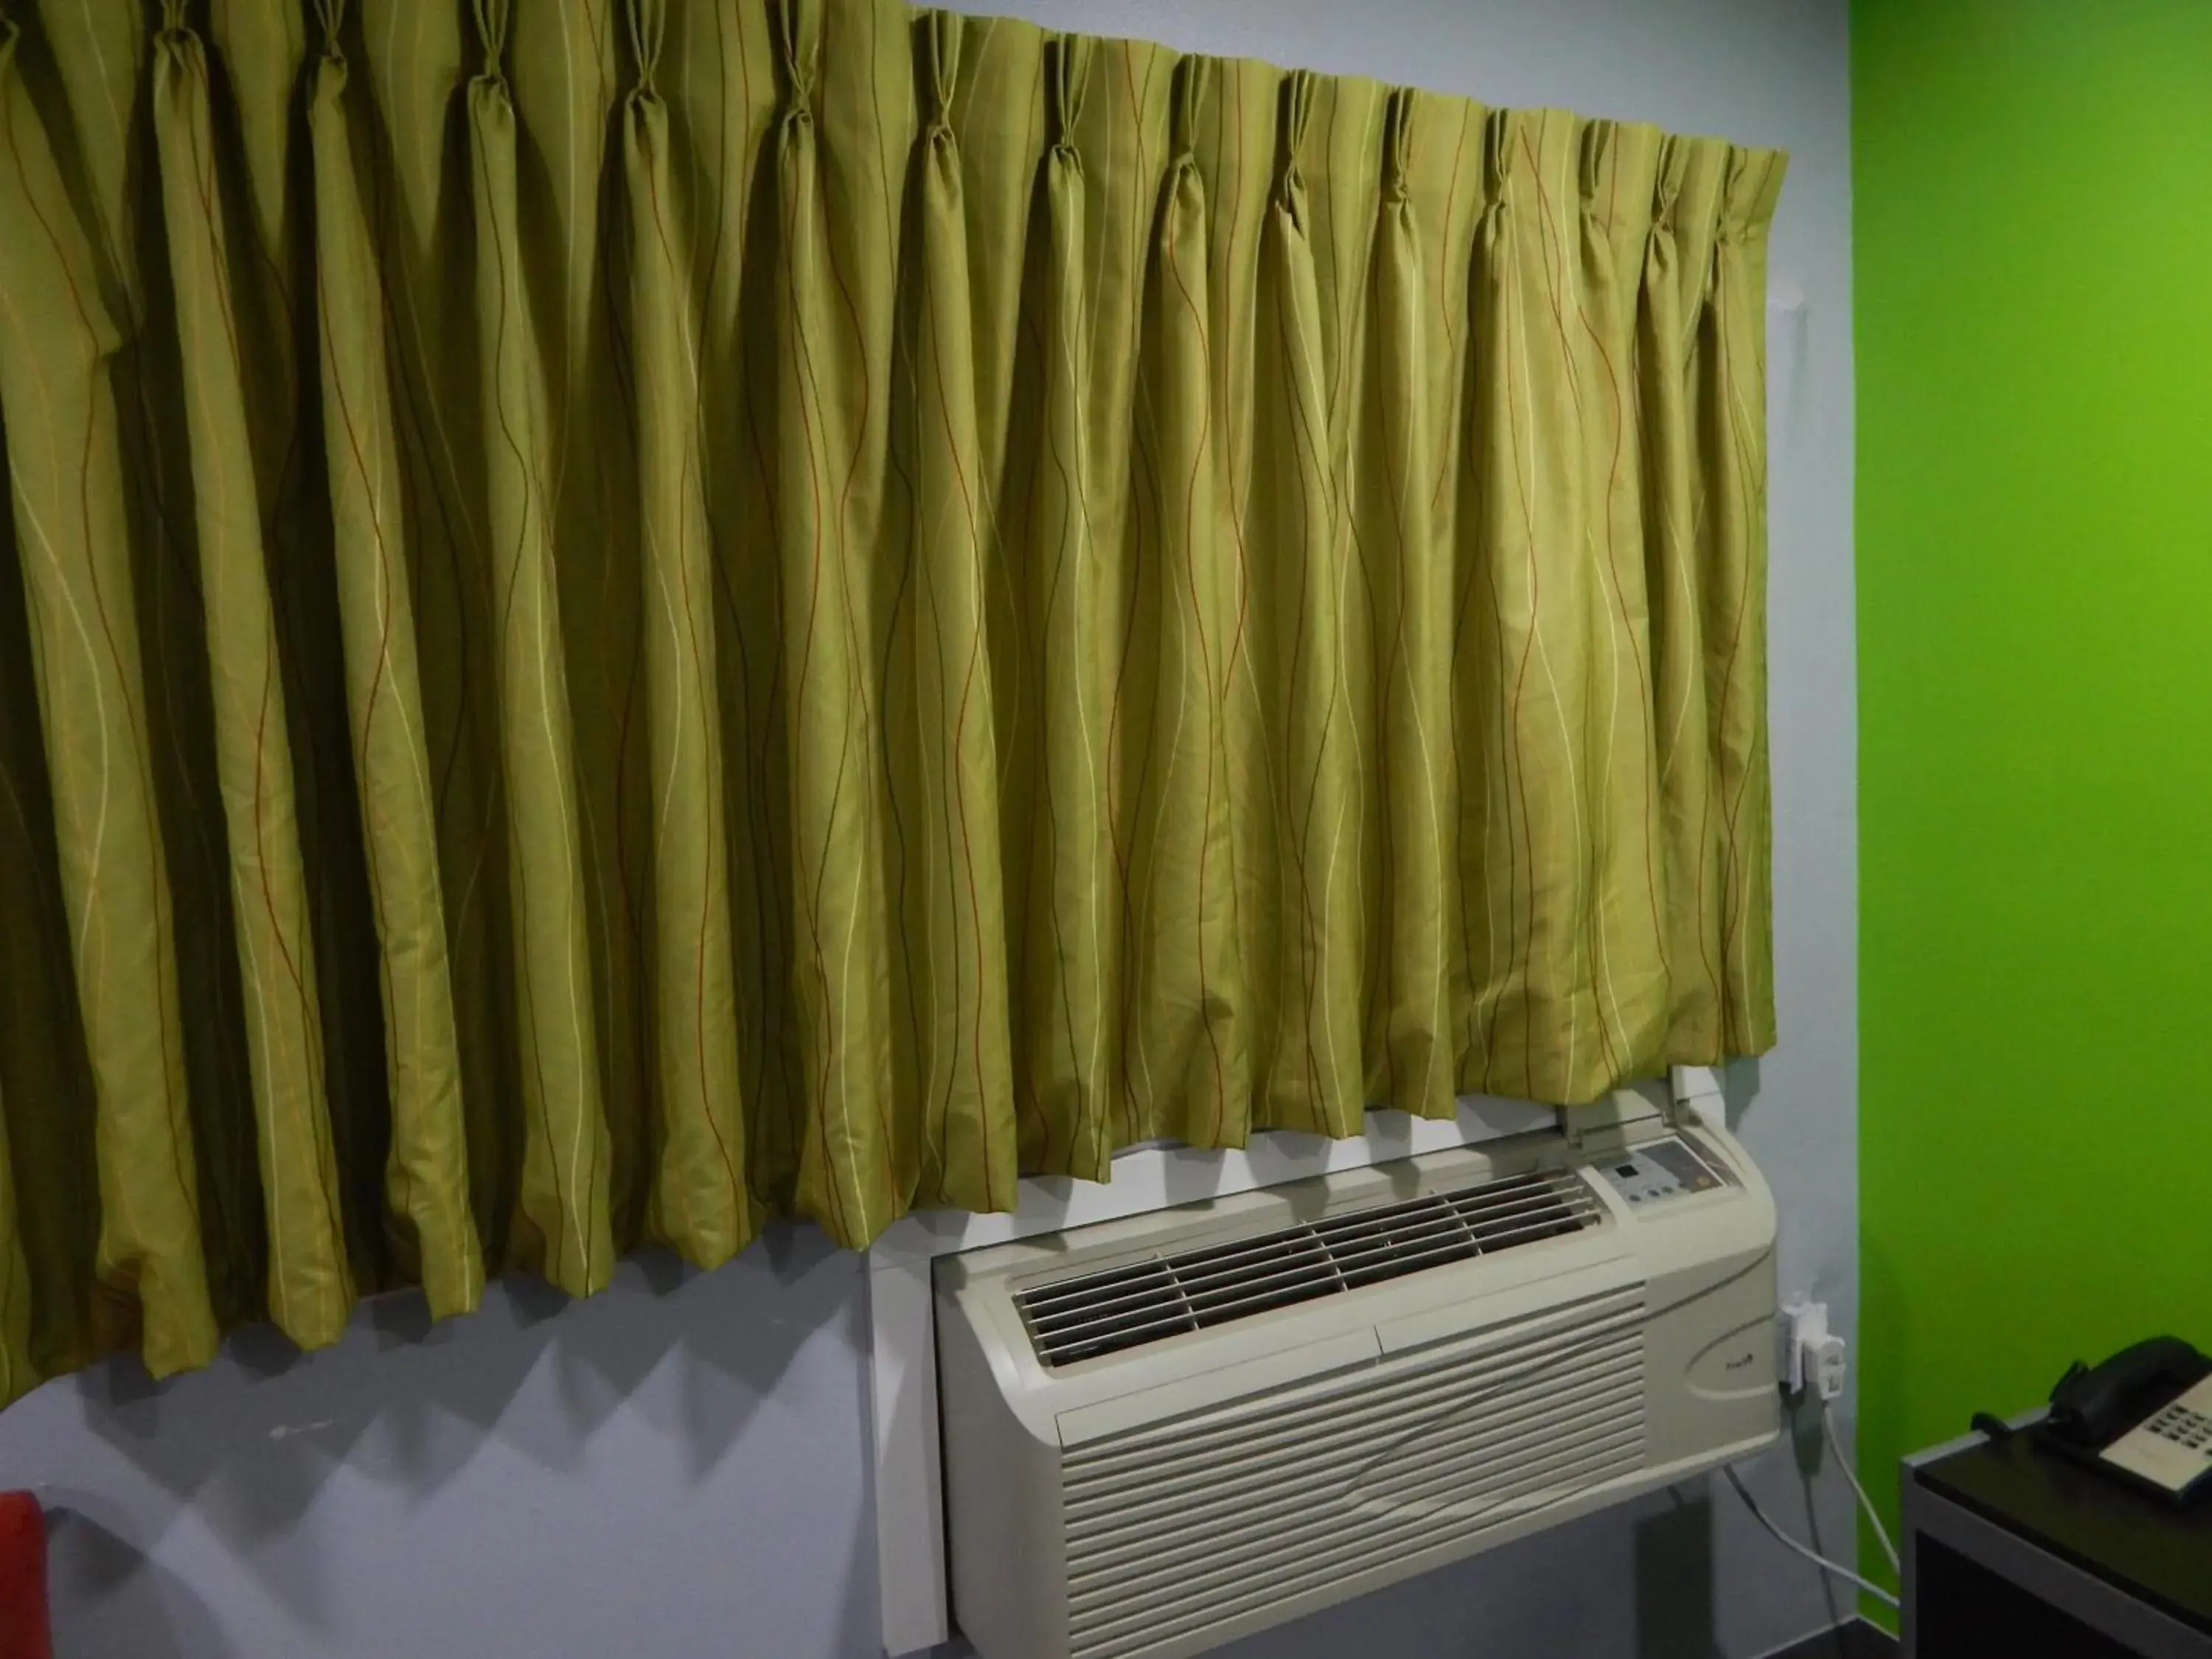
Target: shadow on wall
(275, 1442)
(93, 1562)
(239, 1457)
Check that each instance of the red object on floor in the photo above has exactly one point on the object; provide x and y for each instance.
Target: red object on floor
(24, 1632)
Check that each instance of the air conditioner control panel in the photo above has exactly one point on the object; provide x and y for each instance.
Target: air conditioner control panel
(1664, 1170)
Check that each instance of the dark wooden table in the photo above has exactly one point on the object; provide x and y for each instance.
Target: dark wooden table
(2012, 1549)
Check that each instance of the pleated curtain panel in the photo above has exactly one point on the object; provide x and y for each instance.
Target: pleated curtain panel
(621, 617)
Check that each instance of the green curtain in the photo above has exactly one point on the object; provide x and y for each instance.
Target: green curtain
(619, 617)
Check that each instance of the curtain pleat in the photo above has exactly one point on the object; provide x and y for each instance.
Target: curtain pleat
(1301, 578)
(65, 472)
(387, 729)
(19, 1368)
(1733, 569)
(414, 286)
(563, 1219)
(1067, 939)
(946, 798)
(1186, 1055)
(46, 1086)
(1396, 509)
(1671, 322)
(700, 1198)
(309, 1289)
(617, 620)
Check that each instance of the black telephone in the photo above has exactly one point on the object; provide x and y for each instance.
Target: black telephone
(2143, 1417)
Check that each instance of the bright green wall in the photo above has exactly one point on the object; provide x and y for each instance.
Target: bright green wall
(2032, 267)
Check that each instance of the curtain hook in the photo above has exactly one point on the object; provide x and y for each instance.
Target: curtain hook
(797, 66)
(1398, 143)
(648, 23)
(491, 29)
(1297, 109)
(1188, 104)
(942, 34)
(1065, 86)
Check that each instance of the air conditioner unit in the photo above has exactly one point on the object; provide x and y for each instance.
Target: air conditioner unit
(1165, 1432)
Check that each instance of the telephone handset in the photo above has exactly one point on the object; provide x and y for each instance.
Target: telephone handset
(2144, 1416)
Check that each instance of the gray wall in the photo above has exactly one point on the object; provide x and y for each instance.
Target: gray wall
(678, 1467)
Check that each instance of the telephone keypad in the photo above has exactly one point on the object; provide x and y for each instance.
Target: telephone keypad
(2172, 1450)
(2193, 1431)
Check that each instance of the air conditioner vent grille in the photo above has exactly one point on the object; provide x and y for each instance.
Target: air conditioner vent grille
(1188, 1523)
(1127, 1307)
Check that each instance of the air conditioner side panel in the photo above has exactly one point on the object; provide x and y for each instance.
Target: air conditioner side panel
(1709, 1358)
(1709, 1351)
(1003, 1511)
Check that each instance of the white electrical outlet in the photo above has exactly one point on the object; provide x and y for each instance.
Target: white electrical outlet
(1812, 1356)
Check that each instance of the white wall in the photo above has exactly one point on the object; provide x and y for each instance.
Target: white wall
(679, 1467)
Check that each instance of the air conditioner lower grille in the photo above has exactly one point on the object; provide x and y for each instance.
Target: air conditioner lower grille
(1127, 1307)
(1184, 1525)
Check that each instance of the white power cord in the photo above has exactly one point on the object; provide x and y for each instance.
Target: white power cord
(1888, 1548)
(1813, 1363)
(1814, 1556)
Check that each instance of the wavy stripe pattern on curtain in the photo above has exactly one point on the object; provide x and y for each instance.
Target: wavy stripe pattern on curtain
(617, 619)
